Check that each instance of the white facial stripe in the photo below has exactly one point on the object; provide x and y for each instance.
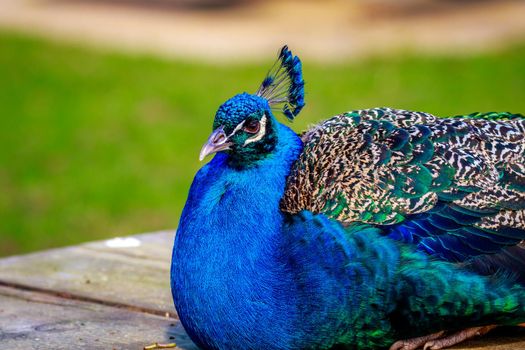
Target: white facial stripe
(237, 128)
(260, 134)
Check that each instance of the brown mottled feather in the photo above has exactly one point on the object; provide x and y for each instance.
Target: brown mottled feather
(382, 165)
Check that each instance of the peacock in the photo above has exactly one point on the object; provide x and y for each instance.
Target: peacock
(376, 228)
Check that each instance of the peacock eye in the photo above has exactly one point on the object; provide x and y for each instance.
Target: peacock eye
(252, 126)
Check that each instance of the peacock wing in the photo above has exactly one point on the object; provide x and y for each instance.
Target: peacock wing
(454, 187)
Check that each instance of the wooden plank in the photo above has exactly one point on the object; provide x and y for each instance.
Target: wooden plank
(31, 320)
(154, 246)
(96, 271)
(505, 338)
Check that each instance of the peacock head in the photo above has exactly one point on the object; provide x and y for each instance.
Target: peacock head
(245, 127)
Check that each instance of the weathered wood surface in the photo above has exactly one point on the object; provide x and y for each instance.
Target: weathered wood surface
(93, 296)
(42, 321)
(90, 296)
(137, 276)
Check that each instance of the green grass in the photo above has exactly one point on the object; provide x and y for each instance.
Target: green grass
(96, 144)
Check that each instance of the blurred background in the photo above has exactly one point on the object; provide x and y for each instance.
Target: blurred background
(104, 104)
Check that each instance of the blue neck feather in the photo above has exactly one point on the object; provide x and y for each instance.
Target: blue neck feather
(226, 249)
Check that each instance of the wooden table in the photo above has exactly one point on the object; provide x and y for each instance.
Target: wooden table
(98, 296)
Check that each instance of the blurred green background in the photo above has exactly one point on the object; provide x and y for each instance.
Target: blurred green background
(96, 143)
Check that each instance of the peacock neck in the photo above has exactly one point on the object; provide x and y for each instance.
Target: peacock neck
(225, 256)
(232, 205)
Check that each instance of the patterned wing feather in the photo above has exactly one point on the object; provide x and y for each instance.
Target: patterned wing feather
(455, 187)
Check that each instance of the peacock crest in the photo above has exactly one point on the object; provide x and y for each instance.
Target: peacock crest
(283, 86)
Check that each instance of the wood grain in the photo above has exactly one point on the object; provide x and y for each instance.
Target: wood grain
(39, 321)
(115, 275)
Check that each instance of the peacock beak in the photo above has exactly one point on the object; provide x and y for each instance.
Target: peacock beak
(218, 141)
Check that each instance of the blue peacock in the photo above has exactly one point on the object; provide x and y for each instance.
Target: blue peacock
(376, 228)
